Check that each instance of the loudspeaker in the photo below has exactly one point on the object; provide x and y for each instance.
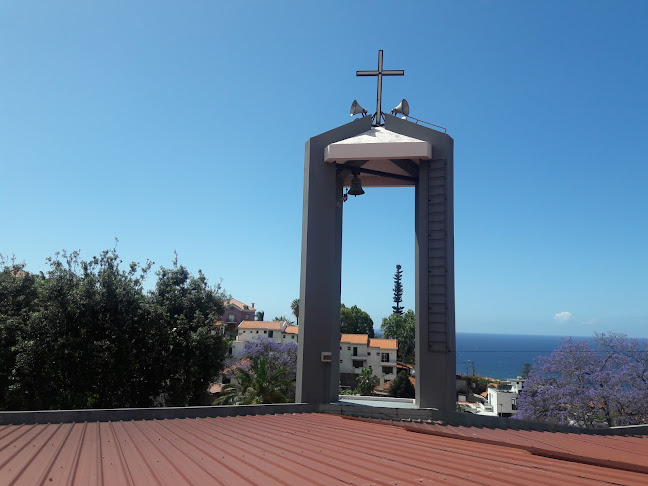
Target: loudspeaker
(356, 109)
(403, 108)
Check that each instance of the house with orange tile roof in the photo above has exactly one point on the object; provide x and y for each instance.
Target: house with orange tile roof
(235, 312)
(280, 332)
(359, 351)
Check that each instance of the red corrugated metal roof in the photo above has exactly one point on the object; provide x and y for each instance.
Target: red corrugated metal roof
(301, 449)
(625, 452)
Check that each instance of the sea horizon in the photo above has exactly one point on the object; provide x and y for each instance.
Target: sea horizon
(502, 356)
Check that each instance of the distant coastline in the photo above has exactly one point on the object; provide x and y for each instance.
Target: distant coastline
(502, 356)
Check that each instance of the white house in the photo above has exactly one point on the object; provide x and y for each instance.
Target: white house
(503, 399)
(280, 332)
(359, 351)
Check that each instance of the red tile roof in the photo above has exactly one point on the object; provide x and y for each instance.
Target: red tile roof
(237, 303)
(291, 330)
(383, 343)
(354, 338)
(300, 449)
(269, 325)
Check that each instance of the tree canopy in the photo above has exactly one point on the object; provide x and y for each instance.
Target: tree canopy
(294, 306)
(403, 328)
(401, 386)
(589, 383)
(85, 334)
(398, 290)
(255, 385)
(366, 382)
(354, 320)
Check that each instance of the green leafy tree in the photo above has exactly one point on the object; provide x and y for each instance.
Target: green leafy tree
(354, 320)
(90, 338)
(366, 382)
(401, 386)
(84, 334)
(398, 290)
(256, 385)
(526, 369)
(283, 319)
(403, 328)
(295, 309)
(187, 306)
(259, 315)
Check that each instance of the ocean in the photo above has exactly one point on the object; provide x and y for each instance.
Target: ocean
(501, 355)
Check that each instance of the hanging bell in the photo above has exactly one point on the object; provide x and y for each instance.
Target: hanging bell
(356, 186)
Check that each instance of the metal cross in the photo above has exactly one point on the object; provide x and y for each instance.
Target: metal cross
(380, 73)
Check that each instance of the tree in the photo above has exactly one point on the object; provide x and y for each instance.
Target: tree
(366, 382)
(279, 355)
(398, 290)
(586, 384)
(403, 328)
(401, 386)
(526, 369)
(259, 315)
(283, 319)
(195, 357)
(295, 309)
(256, 385)
(354, 320)
(84, 334)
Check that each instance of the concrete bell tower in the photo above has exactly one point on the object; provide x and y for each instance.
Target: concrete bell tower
(391, 154)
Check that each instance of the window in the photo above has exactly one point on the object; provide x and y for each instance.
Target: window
(369, 353)
(257, 332)
(231, 317)
(270, 333)
(355, 350)
(348, 348)
(388, 370)
(357, 363)
(341, 361)
(384, 357)
(265, 332)
(514, 403)
(292, 337)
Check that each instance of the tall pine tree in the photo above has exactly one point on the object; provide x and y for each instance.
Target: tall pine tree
(398, 291)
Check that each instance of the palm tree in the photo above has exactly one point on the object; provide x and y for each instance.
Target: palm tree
(260, 315)
(295, 309)
(256, 385)
(366, 382)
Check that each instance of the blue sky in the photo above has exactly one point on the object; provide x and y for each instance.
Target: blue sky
(180, 126)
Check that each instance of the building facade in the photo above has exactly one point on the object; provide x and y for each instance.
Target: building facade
(235, 312)
(503, 398)
(359, 351)
(280, 332)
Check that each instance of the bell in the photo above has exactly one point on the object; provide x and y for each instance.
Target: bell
(356, 187)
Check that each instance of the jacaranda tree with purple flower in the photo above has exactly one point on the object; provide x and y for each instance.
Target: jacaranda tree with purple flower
(589, 384)
(280, 356)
